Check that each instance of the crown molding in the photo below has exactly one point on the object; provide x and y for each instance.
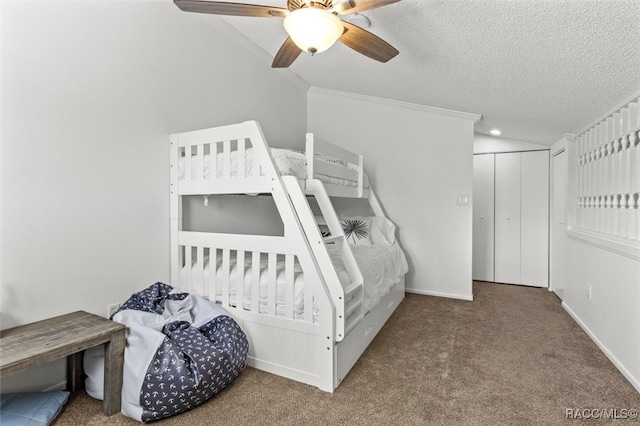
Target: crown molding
(384, 101)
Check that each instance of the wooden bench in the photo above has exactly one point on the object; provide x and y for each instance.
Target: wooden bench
(68, 336)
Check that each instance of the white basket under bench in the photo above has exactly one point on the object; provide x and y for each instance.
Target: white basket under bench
(304, 316)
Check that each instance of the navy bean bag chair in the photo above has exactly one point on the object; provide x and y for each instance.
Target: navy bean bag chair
(181, 350)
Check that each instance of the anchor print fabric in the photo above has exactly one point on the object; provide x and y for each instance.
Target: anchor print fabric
(151, 299)
(195, 349)
(191, 366)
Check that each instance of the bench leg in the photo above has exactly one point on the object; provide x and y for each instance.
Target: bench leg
(113, 366)
(75, 372)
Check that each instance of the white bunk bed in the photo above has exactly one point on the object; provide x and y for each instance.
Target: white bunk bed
(298, 270)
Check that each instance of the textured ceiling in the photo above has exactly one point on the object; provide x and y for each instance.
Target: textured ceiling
(536, 69)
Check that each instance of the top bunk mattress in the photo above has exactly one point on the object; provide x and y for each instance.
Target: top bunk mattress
(288, 162)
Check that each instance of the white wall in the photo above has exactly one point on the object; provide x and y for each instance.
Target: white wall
(90, 93)
(611, 316)
(418, 159)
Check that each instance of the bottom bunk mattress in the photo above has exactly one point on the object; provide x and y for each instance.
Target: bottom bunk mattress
(181, 350)
(382, 267)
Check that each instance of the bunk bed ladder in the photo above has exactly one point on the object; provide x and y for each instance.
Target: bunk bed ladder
(350, 299)
(354, 291)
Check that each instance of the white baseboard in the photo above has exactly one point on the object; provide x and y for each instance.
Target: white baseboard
(439, 294)
(626, 373)
(57, 387)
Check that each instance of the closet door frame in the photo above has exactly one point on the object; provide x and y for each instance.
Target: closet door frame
(483, 217)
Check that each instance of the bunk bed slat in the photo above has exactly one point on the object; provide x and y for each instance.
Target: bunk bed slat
(272, 284)
(231, 186)
(226, 272)
(351, 306)
(338, 190)
(289, 294)
(240, 277)
(260, 243)
(241, 156)
(329, 169)
(255, 282)
(187, 162)
(199, 286)
(257, 169)
(188, 264)
(308, 304)
(213, 270)
(351, 322)
(200, 159)
(213, 161)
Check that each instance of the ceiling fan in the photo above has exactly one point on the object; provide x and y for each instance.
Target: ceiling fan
(313, 26)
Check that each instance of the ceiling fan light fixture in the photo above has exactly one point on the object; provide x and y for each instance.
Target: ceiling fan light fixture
(313, 29)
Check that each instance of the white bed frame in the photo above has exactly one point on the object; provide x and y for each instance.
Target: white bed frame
(319, 352)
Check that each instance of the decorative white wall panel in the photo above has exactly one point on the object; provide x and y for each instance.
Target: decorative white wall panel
(608, 174)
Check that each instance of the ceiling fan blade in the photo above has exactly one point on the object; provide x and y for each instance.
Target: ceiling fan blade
(362, 41)
(356, 6)
(286, 55)
(233, 9)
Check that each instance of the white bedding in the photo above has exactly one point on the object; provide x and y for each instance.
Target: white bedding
(288, 162)
(382, 266)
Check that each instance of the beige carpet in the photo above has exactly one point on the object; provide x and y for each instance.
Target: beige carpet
(512, 356)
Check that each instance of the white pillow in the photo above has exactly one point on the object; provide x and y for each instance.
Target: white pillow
(383, 231)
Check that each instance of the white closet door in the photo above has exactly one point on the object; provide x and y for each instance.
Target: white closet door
(483, 229)
(507, 218)
(535, 219)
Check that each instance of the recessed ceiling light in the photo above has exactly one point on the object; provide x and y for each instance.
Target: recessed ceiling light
(495, 132)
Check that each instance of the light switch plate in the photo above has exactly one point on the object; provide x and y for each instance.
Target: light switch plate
(462, 200)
